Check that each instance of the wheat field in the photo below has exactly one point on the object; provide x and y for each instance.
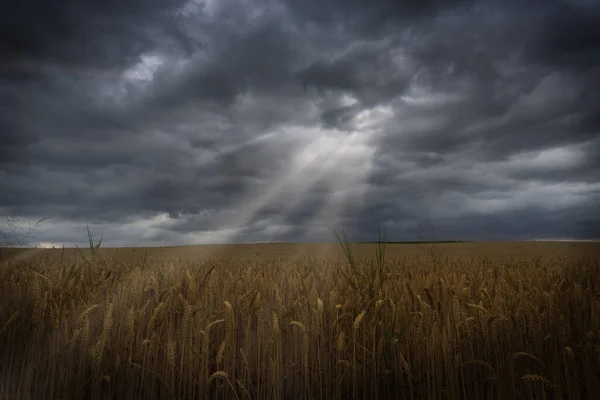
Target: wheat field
(454, 321)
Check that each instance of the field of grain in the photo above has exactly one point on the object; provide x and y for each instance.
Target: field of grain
(496, 251)
(449, 321)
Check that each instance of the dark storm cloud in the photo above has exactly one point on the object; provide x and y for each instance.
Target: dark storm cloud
(570, 36)
(367, 18)
(236, 68)
(106, 34)
(194, 121)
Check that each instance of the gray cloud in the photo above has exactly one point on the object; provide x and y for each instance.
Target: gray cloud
(164, 122)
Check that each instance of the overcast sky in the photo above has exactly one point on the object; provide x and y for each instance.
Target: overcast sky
(216, 121)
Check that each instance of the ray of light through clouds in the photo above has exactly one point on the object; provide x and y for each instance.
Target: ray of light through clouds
(199, 121)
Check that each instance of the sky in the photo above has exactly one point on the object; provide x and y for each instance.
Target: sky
(171, 122)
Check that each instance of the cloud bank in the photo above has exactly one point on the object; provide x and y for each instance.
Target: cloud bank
(202, 121)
